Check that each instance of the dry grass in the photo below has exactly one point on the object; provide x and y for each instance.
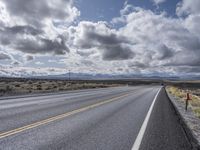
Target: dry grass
(41, 86)
(181, 94)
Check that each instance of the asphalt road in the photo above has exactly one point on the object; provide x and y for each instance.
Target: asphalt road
(121, 118)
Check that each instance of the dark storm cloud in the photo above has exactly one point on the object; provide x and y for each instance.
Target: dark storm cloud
(26, 29)
(116, 52)
(110, 39)
(10, 34)
(42, 45)
(31, 40)
(93, 39)
(110, 45)
(164, 52)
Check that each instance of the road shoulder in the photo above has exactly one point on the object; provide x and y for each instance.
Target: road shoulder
(164, 131)
(190, 123)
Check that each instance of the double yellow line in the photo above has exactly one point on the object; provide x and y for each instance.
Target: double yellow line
(45, 121)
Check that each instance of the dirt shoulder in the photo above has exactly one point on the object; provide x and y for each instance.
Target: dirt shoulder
(191, 117)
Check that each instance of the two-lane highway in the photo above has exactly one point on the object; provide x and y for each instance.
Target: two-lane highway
(98, 119)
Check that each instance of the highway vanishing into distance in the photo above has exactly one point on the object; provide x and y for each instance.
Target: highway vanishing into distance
(119, 118)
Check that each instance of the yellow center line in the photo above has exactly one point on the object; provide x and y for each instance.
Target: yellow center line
(61, 116)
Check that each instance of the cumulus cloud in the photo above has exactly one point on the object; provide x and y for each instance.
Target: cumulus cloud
(117, 52)
(162, 40)
(164, 52)
(41, 45)
(33, 27)
(158, 1)
(85, 53)
(37, 13)
(29, 58)
(100, 36)
(147, 41)
(4, 56)
(188, 7)
(28, 43)
(127, 9)
(16, 63)
(143, 42)
(137, 64)
(39, 63)
(87, 62)
(23, 29)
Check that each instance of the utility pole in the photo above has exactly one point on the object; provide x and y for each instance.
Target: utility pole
(69, 75)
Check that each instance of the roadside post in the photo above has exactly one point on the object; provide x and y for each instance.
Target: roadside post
(69, 78)
(188, 98)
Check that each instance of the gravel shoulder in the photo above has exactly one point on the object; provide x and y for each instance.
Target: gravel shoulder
(190, 122)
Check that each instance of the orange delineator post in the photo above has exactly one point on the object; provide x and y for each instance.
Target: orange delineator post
(187, 99)
(188, 96)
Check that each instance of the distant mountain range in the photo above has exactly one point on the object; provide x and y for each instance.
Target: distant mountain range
(87, 76)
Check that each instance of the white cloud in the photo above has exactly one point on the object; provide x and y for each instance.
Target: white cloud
(33, 27)
(159, 43)
(158, 1)
(100, 36)
(37, 14)
(188, 7)
(145, 42)
(4, 56)
(39, 63)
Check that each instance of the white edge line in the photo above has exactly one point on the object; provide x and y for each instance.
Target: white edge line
(140, 135)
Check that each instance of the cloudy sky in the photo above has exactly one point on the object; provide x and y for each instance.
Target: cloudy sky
(100, 36)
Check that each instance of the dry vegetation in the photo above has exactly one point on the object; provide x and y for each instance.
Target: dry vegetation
(180, 93)
(42, 86)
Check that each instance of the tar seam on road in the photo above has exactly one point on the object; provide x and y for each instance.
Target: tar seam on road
(61, 116)
(140, 135)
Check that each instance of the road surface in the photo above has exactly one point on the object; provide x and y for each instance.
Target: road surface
(120, 118)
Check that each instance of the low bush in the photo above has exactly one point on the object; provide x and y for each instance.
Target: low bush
(180, 93)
